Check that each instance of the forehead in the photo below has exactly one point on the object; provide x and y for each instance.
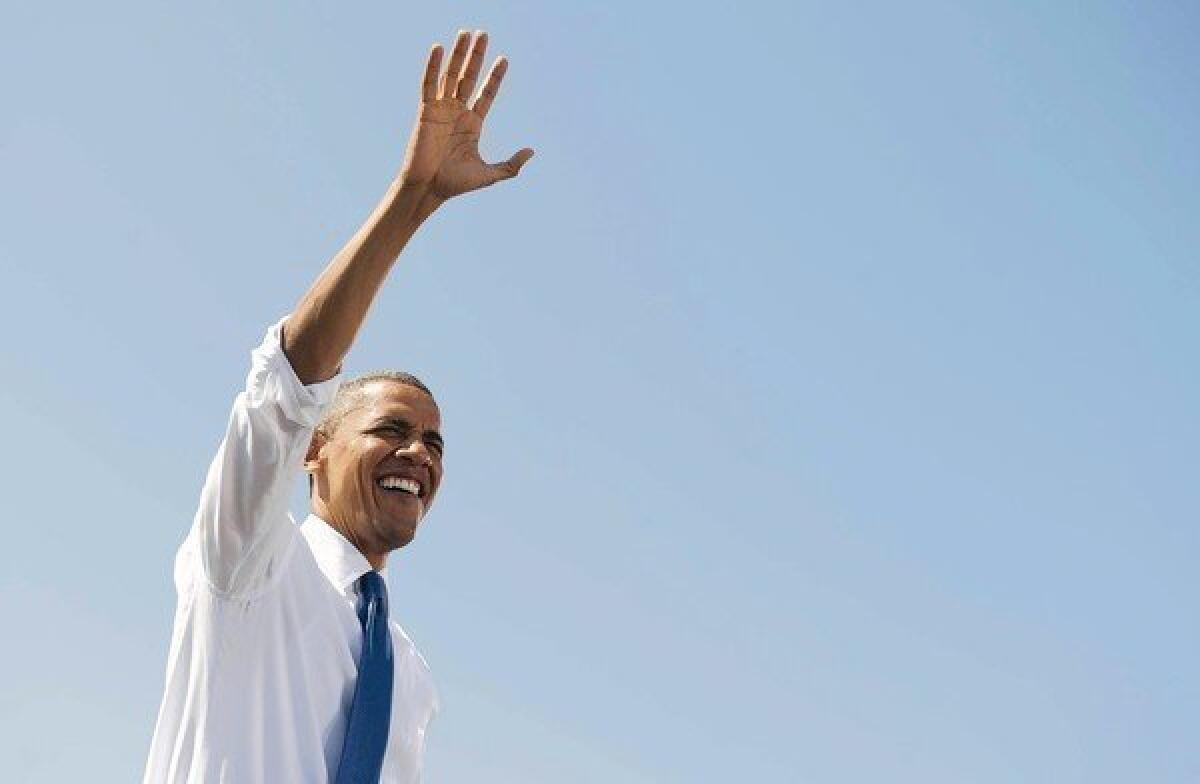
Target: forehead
(385, 398)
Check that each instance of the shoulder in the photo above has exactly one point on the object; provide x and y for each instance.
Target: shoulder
(410, 663)
(414, 680)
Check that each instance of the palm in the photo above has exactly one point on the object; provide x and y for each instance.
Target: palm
(443, 151)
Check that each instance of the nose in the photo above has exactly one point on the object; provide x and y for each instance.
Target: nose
(414, 451)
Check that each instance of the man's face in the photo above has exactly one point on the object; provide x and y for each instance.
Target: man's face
(366, 471)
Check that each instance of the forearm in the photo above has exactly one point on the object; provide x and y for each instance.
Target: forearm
(321, 329)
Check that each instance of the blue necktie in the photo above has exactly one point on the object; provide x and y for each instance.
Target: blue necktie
(371, 711)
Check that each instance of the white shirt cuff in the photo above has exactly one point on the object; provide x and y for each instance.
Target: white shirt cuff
(272, 377)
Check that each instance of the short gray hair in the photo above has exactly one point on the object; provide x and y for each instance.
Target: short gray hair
(350, 394)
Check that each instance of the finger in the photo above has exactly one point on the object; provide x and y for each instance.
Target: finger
(511, 167)
(490, 87)
(470, 74)
(457, 55)
(433, 67)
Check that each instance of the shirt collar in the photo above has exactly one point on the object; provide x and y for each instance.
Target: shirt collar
(338, 559)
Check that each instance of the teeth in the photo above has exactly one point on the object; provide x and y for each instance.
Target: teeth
(400, 483)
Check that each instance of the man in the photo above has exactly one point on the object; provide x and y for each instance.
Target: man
(283, 666)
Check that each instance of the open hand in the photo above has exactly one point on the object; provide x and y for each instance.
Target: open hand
(443, 152)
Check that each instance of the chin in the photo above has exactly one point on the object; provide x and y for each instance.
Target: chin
(400, 535)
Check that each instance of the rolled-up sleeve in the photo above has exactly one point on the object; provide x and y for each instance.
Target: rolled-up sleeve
(242, 529)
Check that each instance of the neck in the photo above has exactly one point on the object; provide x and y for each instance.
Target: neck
(377, 559)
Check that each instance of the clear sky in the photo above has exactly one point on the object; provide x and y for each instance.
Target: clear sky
(820, 402)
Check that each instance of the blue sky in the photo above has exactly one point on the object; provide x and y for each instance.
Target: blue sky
(821, 401)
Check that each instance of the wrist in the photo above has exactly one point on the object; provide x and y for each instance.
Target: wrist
(414, 201)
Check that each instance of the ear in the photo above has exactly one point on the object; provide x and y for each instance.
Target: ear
(312, 458)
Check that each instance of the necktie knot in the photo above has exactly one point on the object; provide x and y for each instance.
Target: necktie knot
(372, 586)
(373, 595)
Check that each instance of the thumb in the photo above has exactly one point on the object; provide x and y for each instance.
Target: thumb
(512, 167)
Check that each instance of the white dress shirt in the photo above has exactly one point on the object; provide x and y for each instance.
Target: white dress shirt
(264, 652)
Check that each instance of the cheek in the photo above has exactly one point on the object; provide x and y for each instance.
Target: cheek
(363, 485)
(353, 480)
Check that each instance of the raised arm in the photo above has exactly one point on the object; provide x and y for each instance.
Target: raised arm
(241, 526)
(442, 161)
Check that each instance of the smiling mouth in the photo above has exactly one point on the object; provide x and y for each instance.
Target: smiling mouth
(400, 486)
